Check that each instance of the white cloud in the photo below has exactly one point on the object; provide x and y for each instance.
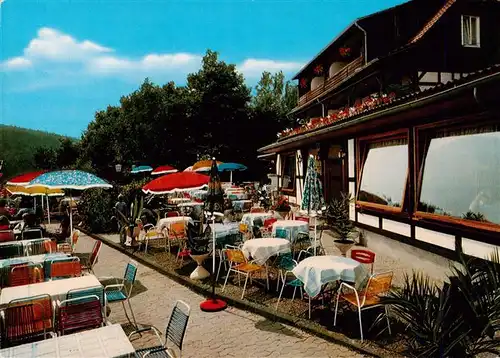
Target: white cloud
(53, 57)
(254, 67)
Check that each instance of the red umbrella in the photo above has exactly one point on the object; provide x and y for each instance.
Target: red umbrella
(24, 179)
(164, 169)
(171, 183)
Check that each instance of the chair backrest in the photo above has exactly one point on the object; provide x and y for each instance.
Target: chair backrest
(363, 256)
(19, 324)
(29, 317)
(129, 276)
(50, 246)
(286, 262)
(379, 283)
(95, 252)
(80, 313)
(282, 233)
(257, 210)
(25, 274)
(74, 238)
(39, 247)
(29, 234)
(86, 292)
(9, 251)
(302, 218)
(177, 229)
(269, 222)
(235, 256)
(177, 324)
(65, 269)
(7, 235)
(172, 214)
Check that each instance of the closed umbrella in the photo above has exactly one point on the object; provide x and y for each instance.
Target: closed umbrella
(215, 205)
(164, 169)
(231, 167)
(177, 182)
(69, 180)
(312, 199)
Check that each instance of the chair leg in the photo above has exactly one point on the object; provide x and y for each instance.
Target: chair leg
(279, 297)
(267, 278)
(309, 307)
(133, 315)
(387, 318)
(225, 281)
(336, 309)
(294, 291)
(245, 286)
(360, 324)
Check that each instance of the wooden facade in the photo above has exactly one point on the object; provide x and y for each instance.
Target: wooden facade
(415, 166)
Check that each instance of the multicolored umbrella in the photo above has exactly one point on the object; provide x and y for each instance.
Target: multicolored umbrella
(231, 167)
(215, 194)
(312, 199)
(69, 179)
(183, 181)
(33, 191)
(164, 169)
(203, 165)
(24, 179)
(141, 169)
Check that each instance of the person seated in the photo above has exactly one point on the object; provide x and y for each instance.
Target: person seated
(5, 233)
(64, 230)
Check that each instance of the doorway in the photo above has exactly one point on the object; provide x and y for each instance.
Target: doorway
(334, 174)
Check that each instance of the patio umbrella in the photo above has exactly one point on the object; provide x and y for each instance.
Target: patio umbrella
(164, 169)
(69, 179)
(312, 199)
(231, 167)
(189, 169)
(141, 169)
(182, 181)
(24, 179)
(203, 165)
(215, 205)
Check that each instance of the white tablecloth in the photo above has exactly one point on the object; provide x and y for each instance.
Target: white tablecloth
(289, 228)
(237, 196)
(166, 222)
(36, 259)
(315, 271)
(103, 342)
(241, 204)
(223, 230)
(260, 250)
(56, 289)
(249, 218)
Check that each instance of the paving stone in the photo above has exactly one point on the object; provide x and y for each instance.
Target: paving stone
(232, 332)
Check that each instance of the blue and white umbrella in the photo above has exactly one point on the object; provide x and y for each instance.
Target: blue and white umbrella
(231, 167)
(69, 180)
(141, 169)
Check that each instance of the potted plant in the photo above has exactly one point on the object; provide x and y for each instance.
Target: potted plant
(130, 225)
(198, 243)
(282, 206)
(337, 215)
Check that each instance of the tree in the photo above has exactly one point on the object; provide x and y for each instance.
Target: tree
(67, 153)
(44, 158)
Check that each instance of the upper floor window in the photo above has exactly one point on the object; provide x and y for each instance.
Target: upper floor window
(470, 31)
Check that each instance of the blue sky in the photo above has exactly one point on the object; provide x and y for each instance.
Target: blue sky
(63, 60)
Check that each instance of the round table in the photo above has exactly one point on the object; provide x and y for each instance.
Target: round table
(240, 205)
(166, 222)
(237, 196)
(250, 218)
(316, 271)
(260, 250)
(289, 229)
(178, 200)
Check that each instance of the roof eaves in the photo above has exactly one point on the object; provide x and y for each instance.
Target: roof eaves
(432, 21)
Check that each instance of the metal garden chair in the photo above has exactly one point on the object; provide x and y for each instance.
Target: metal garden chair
(174, 334)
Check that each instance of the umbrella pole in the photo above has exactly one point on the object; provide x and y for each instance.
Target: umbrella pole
(70, 214)
(213, 260)
(34, 203)
(48, 209)
(231, 177)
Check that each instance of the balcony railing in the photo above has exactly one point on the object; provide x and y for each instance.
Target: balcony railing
(333, 81)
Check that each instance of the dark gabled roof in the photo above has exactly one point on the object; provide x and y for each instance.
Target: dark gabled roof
(432, 21)
(354, 23)
(401, 102)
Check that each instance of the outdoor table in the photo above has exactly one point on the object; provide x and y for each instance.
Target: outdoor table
(316, 271)
(199, 194)
(190, 203)
(225, 234)
(24, 243)
(178, 200)
(166, 222)
(56, 289)
(237, 196)
(108, 341)
(241, 204)
(289, 229)
(260, 250)
(250, 218)
(13, 223)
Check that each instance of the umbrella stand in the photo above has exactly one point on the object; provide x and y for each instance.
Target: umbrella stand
(213, 304)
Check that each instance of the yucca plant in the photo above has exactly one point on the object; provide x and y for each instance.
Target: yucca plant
(129, 222)
(456, 319)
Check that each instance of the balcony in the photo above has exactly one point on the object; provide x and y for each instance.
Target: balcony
(332, 82)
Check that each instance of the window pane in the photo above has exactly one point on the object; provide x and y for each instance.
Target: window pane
(473, 31)
(462, 176)
(288, 172)
(384, 174)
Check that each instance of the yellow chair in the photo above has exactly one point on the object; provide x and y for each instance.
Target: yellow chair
(240, 265)
(367, 298)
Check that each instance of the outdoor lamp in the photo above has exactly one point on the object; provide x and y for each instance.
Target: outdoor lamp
(118, 168)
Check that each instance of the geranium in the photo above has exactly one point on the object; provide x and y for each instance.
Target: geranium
(281, 204)
(318, 69)
(303, 83)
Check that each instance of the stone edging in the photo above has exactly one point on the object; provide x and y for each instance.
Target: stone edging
(265, 312)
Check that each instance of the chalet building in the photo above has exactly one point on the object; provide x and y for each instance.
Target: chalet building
(402, 110)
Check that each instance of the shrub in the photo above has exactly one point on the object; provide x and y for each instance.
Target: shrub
(133, 190)
(96, 209)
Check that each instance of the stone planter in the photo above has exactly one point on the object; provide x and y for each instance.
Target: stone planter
(199, 272)
(344, 246)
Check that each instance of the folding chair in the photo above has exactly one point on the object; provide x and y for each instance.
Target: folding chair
(65, 269)
(25, 274)
(80, 313)
(174, 333)
(89, 263)
(364, 257)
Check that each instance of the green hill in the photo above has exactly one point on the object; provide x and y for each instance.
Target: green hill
(17, 146)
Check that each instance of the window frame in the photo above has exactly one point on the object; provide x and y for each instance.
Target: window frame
(361, 152)
(478, 30)
(423, 136)
(285, 156)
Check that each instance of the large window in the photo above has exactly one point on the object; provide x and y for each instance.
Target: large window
(470, 31)
(288, 172)
(461, 175)
(384, 174)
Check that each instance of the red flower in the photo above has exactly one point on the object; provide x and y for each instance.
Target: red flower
(318, 70)
(303, 83)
